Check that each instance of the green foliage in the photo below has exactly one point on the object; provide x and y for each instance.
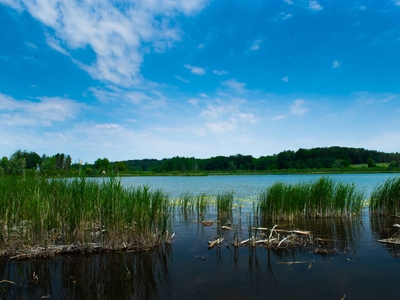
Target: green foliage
(39, 211)
(320, 198)
(225, 203)
(371, 163)
(385, 198)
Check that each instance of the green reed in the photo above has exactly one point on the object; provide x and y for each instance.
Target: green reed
(38, 211)
(321, 198)
(224, 202)
(385, 198)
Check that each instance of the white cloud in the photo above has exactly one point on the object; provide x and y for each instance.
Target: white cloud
(108, 126)
(195, 70)
(314, 5)
(298, 108)
(194, 101)
(248, 117)
(239, 87)
(256, 45)
(220, 72)
(336, 64)
(117, 34)
(181, 79)
(43, 111)
(396, 2)
(279, 117)
(221, 127)
(288, 1)
(148, 99)
(203, 95)
(285, 79)
(287, 16)
(200, 46)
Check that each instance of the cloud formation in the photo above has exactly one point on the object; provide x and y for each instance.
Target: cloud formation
(195, 70)
(298, 107)
(220, 72)
(336, 64)
(117, 34)
(285, 79)
(314, 5)
(256, 45)
(44, 111)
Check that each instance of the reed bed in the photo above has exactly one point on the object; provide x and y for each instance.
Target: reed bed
(385, 198)
(38, 213)
(224, 203)
(320, 198)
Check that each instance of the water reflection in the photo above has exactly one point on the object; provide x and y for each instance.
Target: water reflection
(107, 276)
(383, 229)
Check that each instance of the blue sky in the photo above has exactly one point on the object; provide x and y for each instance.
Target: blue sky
(157, 78)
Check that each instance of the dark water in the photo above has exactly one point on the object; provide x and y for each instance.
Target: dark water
(356, 265)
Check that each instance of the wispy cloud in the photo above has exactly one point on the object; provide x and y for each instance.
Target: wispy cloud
(285, 79)
(220, 72)
(279, 117)
(42, 112)
(117, 34)
(194, 101)
(256, 45)
(200, 46)
(288, 1)
(195, 70)
(314, 5)
(181, 79)
(298, 107)
(286, 16)
(225, 116)
(203, 95)
(396, 2)
(336, 64)
(235, 85)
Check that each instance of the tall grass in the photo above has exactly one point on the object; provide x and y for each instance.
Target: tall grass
(37, 211)
(385, 198)
(224, 203)
(321, 198)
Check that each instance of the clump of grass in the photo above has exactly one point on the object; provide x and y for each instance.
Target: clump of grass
(385, 198)
(224, 203)
(321, 198)
(36, 211)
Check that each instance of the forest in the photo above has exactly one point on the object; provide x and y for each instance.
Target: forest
(324, 159)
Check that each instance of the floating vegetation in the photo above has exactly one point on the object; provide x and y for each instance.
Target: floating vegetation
(321, 198)
(42, 217)
(385, 198)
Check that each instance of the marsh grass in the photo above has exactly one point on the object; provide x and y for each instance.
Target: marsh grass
(39, 212)
(224, 202)
(385, 198)
(321, 198)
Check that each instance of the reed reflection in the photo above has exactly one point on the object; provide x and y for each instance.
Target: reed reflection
(108, 276)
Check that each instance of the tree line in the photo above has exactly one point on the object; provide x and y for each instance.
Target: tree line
(22, 162)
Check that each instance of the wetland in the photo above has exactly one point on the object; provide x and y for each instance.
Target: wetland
(305, 257)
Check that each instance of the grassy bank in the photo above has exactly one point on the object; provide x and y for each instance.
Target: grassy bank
(38, 212)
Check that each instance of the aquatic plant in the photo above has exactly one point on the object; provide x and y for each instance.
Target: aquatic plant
(385, 198)
(321, 198)
(224, 203)
(44, 212)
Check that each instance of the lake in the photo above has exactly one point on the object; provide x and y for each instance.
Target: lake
(344, 259)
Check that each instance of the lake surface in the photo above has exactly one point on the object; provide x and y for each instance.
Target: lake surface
(356, 264)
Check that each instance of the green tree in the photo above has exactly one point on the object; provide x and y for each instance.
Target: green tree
(371, 163)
